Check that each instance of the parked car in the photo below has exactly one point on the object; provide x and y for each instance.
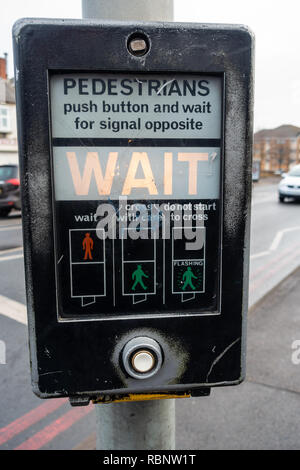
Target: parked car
(9, 189)
(255, 170)
(289, 186)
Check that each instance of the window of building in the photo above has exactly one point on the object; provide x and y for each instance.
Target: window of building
(4, 119)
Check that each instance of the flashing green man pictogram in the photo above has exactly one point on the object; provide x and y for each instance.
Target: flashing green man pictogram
(138, 275)
(187, 278)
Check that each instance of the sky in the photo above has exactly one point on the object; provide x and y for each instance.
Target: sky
(276, 25)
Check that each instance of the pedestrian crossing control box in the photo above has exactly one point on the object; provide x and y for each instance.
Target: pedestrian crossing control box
(135, 144)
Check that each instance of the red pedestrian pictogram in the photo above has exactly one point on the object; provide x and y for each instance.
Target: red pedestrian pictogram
(88, 246)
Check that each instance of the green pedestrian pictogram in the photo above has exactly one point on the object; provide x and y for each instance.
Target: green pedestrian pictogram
(187, 279)
(137, 276)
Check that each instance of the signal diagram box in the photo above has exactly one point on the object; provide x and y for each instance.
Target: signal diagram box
(135, 145)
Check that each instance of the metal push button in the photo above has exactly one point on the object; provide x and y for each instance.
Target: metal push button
(142, 357)
(143, 361)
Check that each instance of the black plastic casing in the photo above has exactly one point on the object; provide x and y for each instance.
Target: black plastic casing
(81, 358)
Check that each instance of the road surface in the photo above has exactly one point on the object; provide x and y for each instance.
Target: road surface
(26, 422)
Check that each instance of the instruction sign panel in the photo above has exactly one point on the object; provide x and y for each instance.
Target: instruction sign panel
(137, 161)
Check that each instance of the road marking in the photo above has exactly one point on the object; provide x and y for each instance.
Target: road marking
(13, 309)
(259, 255)
(10, 250)
(30, 418)
(275, 260)
(12, 227)
(275, 243)
(9, 258)
(279, 236)
(270, 273)
(48, 433)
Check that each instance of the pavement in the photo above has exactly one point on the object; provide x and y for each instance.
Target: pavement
(263, 412)
(274, 240)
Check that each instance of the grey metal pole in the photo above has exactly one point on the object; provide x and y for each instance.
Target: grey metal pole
(145, 425)
(128, 10)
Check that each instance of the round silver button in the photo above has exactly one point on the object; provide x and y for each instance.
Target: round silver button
(143, 361)
(142, 357)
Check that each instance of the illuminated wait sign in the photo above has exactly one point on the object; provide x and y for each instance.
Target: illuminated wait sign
(154, 172)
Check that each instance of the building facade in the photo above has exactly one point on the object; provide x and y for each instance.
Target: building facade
(8, 119)
(277, 149)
